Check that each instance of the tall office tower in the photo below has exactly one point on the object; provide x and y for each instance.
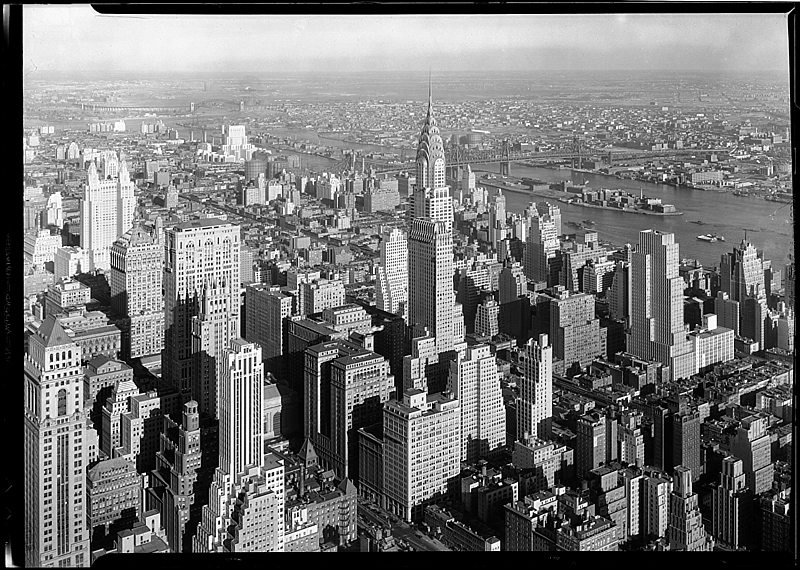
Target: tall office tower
(241, 456)
(789, 286)
(540, 249)
(236, 143)
(656, 329)
(431, 198)
(468, 182)
(732, 506)
(512, 283)
(473, 279)
(552, 210)
(574, 329)
(499, 201)
(111, 164)
(751, 445)
(685, 530)
(56, 451)
(422, 450)
(590, 449)
(742, 278)
(315, 296)
(212, 245)
(391, 287)
(107, 211)
(265, 309)
(497, 218)
(345, 388)
(727, 311)
(54, 214)
(571, 258)
(210, 338)
(656, 490)
(241, 421)
(474, 382)
(535, 404)
(137, 274)
(686, 441)
(632, 479)
(487, 318)
(430, 277)
(630, 438)
(619, 295)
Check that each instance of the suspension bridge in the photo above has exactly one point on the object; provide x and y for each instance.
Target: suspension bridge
(458, 157)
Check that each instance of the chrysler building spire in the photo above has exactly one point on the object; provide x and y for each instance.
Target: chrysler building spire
(430, 151)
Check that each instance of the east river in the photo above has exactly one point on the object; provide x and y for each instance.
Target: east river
(769, 225)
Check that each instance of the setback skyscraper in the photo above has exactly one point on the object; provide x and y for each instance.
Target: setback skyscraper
(196, 253)
(107, 211)
(657, 331)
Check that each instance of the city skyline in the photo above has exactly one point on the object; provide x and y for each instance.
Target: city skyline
(76, 38)
(270, 314)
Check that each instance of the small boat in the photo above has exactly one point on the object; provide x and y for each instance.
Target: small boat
(589, 222)
(698, 222)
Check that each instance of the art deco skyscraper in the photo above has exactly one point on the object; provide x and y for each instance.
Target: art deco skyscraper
(431, 298)
(137, 274)
(540, 248)
(535, 404)
(391, 288)
(211, 336)
(241, 415)
(685, 530)
(475, 383)
(196, 253)
(742, 278)
(247, 481)
(431, 198)
(656, 323)
(56, 451)
(732, 506)
(107, 211)
(431, 302)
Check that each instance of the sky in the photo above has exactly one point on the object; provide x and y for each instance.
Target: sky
(75, 38)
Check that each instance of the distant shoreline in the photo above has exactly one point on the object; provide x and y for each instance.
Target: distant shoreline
(555, 194)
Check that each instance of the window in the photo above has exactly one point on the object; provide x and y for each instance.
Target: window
(62, 402)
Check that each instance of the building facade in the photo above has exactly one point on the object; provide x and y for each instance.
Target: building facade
(136, 279)
(56, 454)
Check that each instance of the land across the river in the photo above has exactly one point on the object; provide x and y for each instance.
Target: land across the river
(512, 184)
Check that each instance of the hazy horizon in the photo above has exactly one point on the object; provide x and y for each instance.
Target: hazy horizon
(76, 39)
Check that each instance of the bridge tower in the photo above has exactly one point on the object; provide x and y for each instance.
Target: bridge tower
(505, 162)
(577, 153)
(191, 107)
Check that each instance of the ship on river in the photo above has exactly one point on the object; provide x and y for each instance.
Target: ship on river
(711, 238)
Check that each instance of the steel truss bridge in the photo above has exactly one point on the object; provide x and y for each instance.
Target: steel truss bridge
(459, 157)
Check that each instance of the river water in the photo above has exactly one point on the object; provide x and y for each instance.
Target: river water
(769, 225)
